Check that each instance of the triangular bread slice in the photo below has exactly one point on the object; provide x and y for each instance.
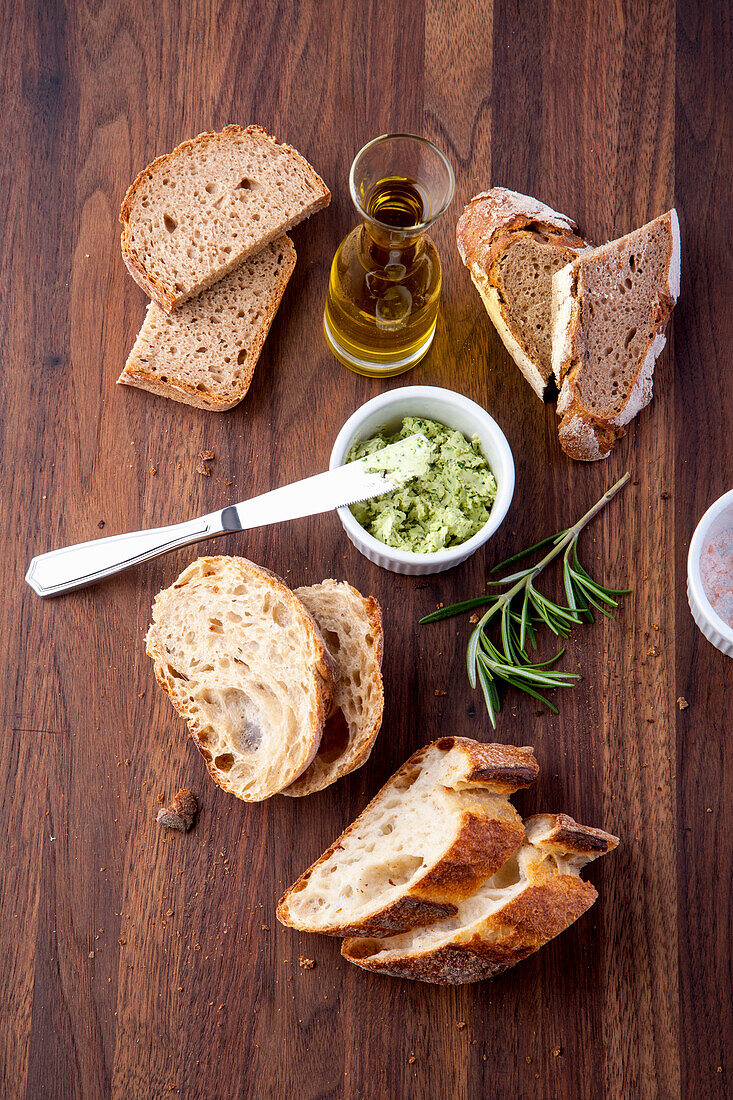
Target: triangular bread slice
(195, 214)
(537, 894)
(204, 352)
(245, 664)
(440, 827)
(352, 630)
(513, 245)
(610, 309)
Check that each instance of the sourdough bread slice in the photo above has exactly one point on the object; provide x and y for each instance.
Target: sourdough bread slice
(204, 352)
(245, 664)
(352, 630)
(440, 827)
(537, 894)
(195, 214)
(610, 309)
(513, 245)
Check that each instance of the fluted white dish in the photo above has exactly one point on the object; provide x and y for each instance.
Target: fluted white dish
(718, 516)
(456, 411)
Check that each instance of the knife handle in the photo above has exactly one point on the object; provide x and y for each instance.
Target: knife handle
(89, 562)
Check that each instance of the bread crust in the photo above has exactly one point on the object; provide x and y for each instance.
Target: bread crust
(550, 900)
(481, 845)
(323, 669)
(485, 227)
(359, 747)
(156, 288)
(138, 375)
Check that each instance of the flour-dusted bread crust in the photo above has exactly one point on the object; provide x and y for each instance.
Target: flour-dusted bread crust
(195, 214)
(204, 352)
(512, 245)
(537, 894)
(439, 828)
(610, 310)
(352, 630)
(245, 664)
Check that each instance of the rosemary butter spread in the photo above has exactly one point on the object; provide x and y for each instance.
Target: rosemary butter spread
(445, 506)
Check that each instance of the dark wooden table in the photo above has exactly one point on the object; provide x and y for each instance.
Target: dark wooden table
(137, 963)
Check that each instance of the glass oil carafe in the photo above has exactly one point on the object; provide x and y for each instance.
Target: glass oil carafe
(384, 288)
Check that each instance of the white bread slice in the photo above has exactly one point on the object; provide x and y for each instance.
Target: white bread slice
(245, 664)
(610, 309)
(512, 245)
(440, 827)
(537, 894)
(204, 352)
(195, 214)
(351, 627)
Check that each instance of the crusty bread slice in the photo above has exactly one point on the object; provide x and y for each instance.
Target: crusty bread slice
(512, 245)
(195, 214)
(537, 894)
(610, 309)
(245, 664)
(204, 352)
(352, 630)
(440, 827)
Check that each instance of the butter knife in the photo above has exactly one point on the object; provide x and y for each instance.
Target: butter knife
(86, 563)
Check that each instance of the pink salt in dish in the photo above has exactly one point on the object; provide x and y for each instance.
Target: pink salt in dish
(716, 571)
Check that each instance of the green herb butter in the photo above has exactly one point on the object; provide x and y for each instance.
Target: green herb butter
(443, 508)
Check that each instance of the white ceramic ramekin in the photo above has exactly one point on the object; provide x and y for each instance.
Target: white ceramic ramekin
(718, 516)
(455, 411)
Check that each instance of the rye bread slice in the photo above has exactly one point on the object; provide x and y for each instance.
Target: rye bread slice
(204, 352)
(513, 245)
(537, 894)
(352, 630)
(195, 214)
(439, 827)
(245, 664)
(610, 310)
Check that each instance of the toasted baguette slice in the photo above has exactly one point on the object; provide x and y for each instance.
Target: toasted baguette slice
(513, 245)
(352, 630)
(204, 352)
(537, 894)
(194, 214)
(245, 664)
(610, 309)
(440, 827)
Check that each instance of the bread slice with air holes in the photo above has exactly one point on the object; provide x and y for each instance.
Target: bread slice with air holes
(245, 664)
(440, 827)
(204, 352)
(537, 894)
(352, 630)
(512, 245)
(195, 214)
(610, 309)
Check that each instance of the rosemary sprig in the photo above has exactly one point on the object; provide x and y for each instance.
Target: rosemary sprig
(522, 608)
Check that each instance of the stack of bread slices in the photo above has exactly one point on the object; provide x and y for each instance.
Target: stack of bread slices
(582, 322)
(282, 690)
(205, 235)
(439, 879)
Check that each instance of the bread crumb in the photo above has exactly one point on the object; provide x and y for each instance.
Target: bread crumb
(437, 693)
(202, 468)
(208, 456)
(90, 955)
(682, 703)
(153, 471)
(306, 964)
(181, 812)
(461, 1024)
(412, 1059)
(557, 1052)
(473, 618)
(652, 651)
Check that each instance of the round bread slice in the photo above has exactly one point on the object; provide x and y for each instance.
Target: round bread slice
(440, 827)
(352, 630)
(245, 664)
(537, 894)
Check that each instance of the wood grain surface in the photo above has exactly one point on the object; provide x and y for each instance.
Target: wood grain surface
(141, 964)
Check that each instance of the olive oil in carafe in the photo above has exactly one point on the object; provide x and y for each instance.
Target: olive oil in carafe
(385, 282)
